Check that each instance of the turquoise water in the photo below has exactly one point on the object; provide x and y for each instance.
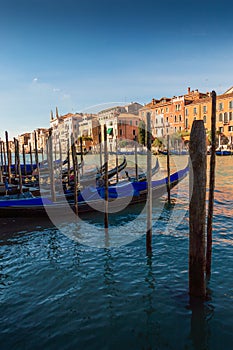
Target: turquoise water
(63, 293)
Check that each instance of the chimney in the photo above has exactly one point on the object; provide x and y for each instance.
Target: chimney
(189, 90)
(153, 101)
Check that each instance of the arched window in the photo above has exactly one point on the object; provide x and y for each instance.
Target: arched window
(204, 119)
(174, 118)
(220, 117)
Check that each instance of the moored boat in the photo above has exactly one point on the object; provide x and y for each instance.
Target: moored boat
(91, 198)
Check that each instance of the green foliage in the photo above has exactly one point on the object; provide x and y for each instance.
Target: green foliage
(142, 133)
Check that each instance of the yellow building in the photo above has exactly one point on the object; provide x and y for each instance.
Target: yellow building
(202, 109)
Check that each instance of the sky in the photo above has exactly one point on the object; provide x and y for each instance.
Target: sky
(83, 56)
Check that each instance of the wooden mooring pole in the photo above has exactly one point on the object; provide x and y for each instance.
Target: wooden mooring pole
(106, 178)
(51, 166)
(18, 165)
(136, 158)
(75, 165)
(117, 175)
(8, 158)
(31, 162)
(197, 210)
(211, 187)
(24, 160)
(149, 191)
(36, 152)
(168, 171)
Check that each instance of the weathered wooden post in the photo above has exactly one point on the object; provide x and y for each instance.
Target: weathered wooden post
(24, 160)
(31, 162)
(8, 158)
(136, 158)
(68, 161)
(197, 210)
(168, 171)
(106, 178)
(36, 152)
(18, 165)
(117, 174)
(81, 151)
(74, 158)
(16, 159)
(100, 147)
(4, 156)
(149, 191)
(50, 164)
(211, 187)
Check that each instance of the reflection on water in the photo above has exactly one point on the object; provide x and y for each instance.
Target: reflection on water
(56, 293)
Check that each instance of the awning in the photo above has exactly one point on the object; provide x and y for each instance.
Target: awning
(109, 131)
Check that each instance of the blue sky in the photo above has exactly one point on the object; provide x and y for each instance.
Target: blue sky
(78, 54)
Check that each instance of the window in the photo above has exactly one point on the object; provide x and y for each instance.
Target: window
(136, 122)
(204, 109)
(204, 119)
(220, 106)
(195, 110)
(230, 115)
(221, 129)
(186, 112)
(230, 104)
(161, 110)
(180, 128)
(134, 132)
(120, 132)
(178, 107)
(174, 118)
(230, 128)
(130, 122)
(167, 130)
(175, 128)
(220, 117)
(180, 118)
(167, 110)
(161, 120)
(186, 123)
(156, 121)
(225, 117)
(194, 118)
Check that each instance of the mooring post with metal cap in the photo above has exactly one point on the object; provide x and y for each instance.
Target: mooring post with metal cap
(211, 187)
(197, 210)
(106, 178)
(149, 191)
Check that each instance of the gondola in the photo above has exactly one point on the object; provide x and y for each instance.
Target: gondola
(143, 176)
(90, 199)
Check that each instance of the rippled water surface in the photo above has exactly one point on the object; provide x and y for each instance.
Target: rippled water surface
(60, 291)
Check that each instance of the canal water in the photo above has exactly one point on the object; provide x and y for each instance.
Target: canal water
(73, 288)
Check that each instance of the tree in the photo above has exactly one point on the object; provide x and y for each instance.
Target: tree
(142, 133)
